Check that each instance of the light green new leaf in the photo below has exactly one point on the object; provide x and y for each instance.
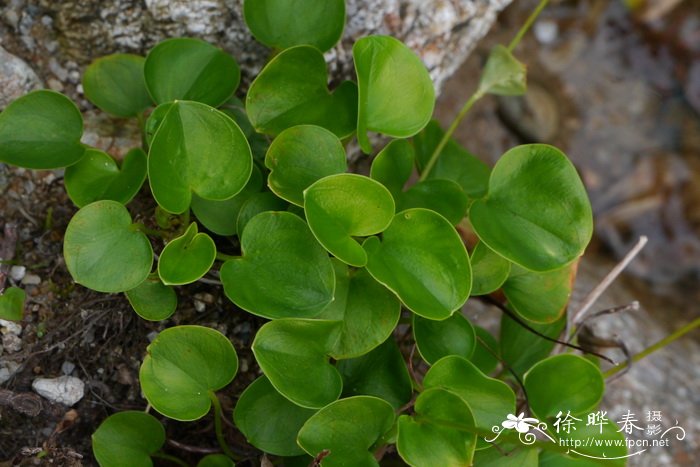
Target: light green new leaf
(442, 196)
(190, 69)
(539, 297)
(347, 428)
(396, 94)
(536, 213)
(489, 270)
(197, 149)
(340, 207)
(436, 339)
(185, 365)
(422, 259)
(41, 130)
(256, 204)
(104, 251)
(115, 84)
(393, 166)
(521, 348)
(152, 300)
(283, 272)
(12, 304)
(503, 74)
(127, 438)
(186, 258)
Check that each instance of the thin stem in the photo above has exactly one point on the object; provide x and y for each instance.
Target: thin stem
(224, 257)
(528, 23)
(168, 457)
(659, 345)
(218, 415)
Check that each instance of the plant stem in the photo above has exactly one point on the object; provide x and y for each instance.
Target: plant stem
(528, 23)
(218, 414)
(224, 257)
(653, 348)
(168, 457)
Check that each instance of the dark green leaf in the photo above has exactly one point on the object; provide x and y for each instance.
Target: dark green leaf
(437, 339)
(483, 357)
(539, 297)
(489, 270)
(152, 300)
(12, 304)
(521, 348)
(215, 460)
(127, 438)
(442, 196)
(256, 204)
(393, 166)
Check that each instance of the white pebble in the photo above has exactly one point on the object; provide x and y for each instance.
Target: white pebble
(31, 279)
(546, 32)
(7, 369)
(199, 306)
(67, 367)
(17, 273)
(10, 327)
(66, 390)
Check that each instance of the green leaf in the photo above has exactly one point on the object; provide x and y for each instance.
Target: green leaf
(436, 339)
(268, 420)
(115, 84)
(521, 348)
(292, 90)
(393, 166)
(503, 74)
(301, 155)
(563, 382)
(442, 196)
(235, 108)
(489, 270)
(183, 368)
(41, 130)
(539, 297)
(97, 176)
(537, 212)
(12, 304)
(152, 300)
(293, 354)
(396, 94)
(256, 204)
(507, 456)
(282, 23)
(104, 251)
(127, 438)
(483, 357)
(422, 259)
(215, 460)
(197, 149)
(348, 429)
(610, 445)
(340, 207)
(190, 69)
(381, 373)
(154, 120)
(440, 432)
(283, 272)
(187, 258)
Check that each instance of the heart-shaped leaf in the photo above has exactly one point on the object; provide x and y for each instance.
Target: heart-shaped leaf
(442, 196)
(489, 270)
(186, 258)
(521, 348)
(115, 84)
(190, 69)
(539, 297)
(485, 352)
(563, 382)
(216, 460)
(269, 421)
(256, 204)
(183, 368)
(127, 438)
(283, 272)
(301, 155)
(12, 304)
(396, 94)
(293, 354)
(347, 429)
(422, 259)
(503, 74)
(282, 24)
(97, 176)
(104, 251)
(536, 213)
(436, 339)
(292, 90)
(152, 300)
(393, 166)
(340, 207)
(41, 130)
(440, 433)
(197, 149)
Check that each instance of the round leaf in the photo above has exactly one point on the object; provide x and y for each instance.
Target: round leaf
(489, 270)
(104, 251)
(422, 259)
(41, 130)
(197, 149)
(12, 304)
(283, 272)
(340, 207)
(190, 69)
(282, 23)
(127, 438)
(116, 85)
(183, 368)
(347, 428)
(97, 176)
(396, 94)
(540, 297)
(216, 460)
(436, 339)
(152, 300)
(393, 166)
(256, 204)
(301, 155)
(536, 213)
(187, 258)
(442, 196)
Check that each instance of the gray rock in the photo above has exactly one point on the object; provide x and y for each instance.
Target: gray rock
(7, 369)
(66, 390)
(16, 78)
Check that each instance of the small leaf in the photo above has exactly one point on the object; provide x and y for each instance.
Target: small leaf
(293, 354)
(437, 339)
(489, 270)
(521, 348)
(537, 212)
(396, 94)
(269, 421)
(97, 176)
(183, 368)
(256, 204)
(127, 438)
(282, 24)
(152, 300)
(422, 259)
(442, 196)
(41, 130)
(190, 69)
(215, 460)
(340, 207)
(104, 251)
(301, 155)
(186, 258)
(503, 74)
(486, 345)
(283, 272)
(197, 149)
(393, 166)
(539, 297)
(348, 429)
(292, 90)
(115, 84)
(12, 304)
